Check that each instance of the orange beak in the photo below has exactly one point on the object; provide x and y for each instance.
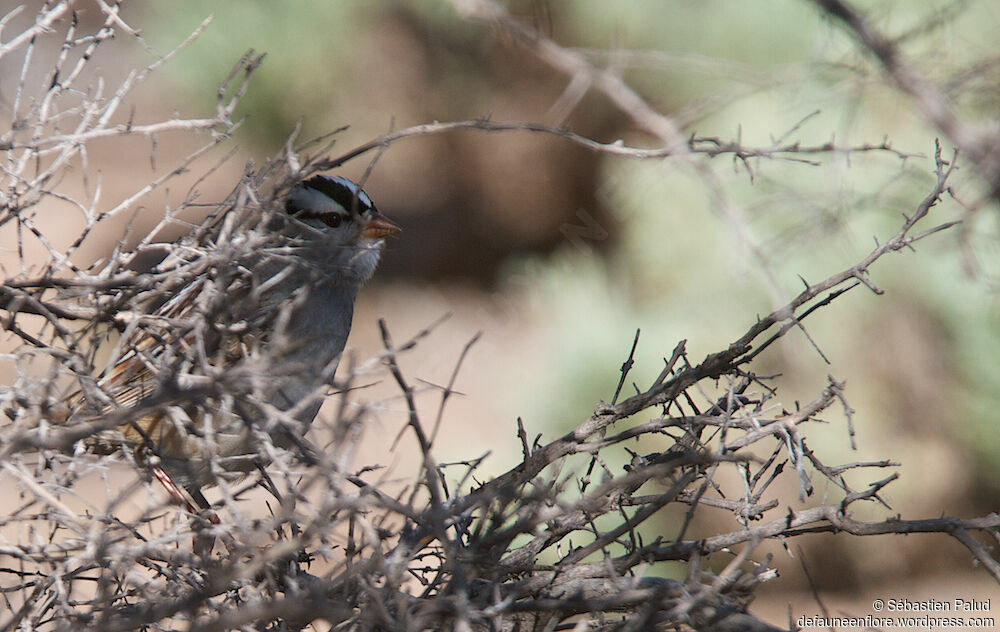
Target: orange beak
(379, 226)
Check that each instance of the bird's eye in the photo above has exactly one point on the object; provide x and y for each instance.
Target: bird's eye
(332, 220)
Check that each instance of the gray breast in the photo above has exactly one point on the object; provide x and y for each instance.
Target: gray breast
(306, 346)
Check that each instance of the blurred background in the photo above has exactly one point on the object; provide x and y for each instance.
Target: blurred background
(557, 254)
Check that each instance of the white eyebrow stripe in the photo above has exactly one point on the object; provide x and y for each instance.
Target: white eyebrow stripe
(355, 190)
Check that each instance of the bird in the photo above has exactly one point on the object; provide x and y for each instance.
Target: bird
(240, 343)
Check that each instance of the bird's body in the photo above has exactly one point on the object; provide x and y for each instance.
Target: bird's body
(260, 326)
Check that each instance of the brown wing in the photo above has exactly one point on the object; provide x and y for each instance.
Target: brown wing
(154, 344)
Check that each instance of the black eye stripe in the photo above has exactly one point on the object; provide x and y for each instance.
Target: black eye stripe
(329, 218)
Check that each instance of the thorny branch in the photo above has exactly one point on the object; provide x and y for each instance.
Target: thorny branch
(979, 144)
(467, 549)
(708, 146)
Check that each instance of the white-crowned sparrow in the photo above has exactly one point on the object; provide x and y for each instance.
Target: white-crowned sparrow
(240, 341)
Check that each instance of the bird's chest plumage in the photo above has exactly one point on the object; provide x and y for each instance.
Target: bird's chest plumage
(309, 343)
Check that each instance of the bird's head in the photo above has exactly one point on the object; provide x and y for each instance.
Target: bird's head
(335, 214)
